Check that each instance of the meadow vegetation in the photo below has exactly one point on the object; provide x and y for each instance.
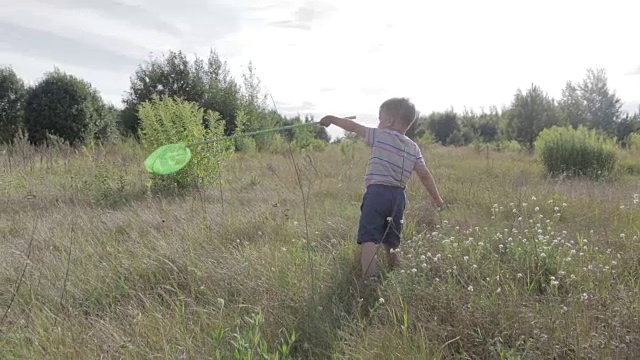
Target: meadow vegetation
(249, 251)
(97, 263)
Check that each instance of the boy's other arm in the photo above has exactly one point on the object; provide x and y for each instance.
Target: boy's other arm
(345, 124)
(429, 183)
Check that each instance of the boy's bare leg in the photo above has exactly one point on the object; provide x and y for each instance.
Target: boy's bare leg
(393, 258)
(368, 260)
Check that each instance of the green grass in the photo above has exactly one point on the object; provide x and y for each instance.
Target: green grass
(520, 267)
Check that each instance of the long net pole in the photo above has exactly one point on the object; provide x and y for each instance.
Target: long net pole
(261, 132)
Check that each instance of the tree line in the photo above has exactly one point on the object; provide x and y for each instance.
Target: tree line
(63, 106)
(589, 103)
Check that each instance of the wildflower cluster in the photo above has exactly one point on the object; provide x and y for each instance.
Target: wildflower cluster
(533, 254)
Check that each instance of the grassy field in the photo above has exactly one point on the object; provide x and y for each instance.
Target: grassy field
(95, 265)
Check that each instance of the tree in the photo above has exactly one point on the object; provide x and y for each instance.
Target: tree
(442, 125)
(489, 125)
(222, 92)
(208, 84)
(591, 103)
(65, 106)
(419, 127)
(530, 113)
(12, 96)
(571, 107)
(628, 125)
(602, 106)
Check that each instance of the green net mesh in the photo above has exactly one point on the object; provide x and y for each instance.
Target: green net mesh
(168, 159)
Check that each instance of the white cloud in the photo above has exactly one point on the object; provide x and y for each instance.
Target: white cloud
(344, 58)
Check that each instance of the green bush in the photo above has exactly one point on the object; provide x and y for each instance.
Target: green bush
(634, 142)
(426, 139)
(169, 120)
(508, 146)
(576, 152)
(245, 144)
(64, 106)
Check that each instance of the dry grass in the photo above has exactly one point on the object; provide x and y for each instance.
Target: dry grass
(95, 265)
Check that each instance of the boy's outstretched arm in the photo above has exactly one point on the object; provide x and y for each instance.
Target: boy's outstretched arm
(429, 184)
(344, 123)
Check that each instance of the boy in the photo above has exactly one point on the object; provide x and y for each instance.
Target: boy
(393, 159)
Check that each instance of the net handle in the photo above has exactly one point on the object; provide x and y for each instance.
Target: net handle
(262, 131)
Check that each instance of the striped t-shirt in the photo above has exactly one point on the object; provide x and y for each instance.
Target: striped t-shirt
(393, 157)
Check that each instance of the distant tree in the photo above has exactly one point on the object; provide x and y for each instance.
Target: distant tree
(65, 106)
(602, 106)
(12, 96)
(222, 92)
(208, 84)
(628, 125)
(529, 114)
(319, 132)
(488, 130)
(571, 107)
(591, 103)
(456, 139)
(105, 127)
(443, 124)
(419, 127)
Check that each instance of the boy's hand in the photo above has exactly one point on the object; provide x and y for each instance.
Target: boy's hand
(326, 121)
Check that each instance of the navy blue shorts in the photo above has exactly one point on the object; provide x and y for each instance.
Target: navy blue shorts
(381, 215)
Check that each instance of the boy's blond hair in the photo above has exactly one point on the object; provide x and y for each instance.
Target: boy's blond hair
(401, 109)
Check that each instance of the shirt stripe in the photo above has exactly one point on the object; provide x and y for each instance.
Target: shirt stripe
(393, 157)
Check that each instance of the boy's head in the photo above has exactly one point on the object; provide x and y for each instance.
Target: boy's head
(397, 113)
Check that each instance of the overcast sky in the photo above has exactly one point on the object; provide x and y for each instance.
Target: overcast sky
(344, 58)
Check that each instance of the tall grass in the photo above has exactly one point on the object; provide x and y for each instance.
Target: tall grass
(520, 266)
(576, 152)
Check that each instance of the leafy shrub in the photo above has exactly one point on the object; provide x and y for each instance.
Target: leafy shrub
(629, 164)
(576, 152)
(634, 142)
(508, 146)
(426, 139)
(169, 120)
(245, 144)
(455, 139)
(276, 144)
(347, 149)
